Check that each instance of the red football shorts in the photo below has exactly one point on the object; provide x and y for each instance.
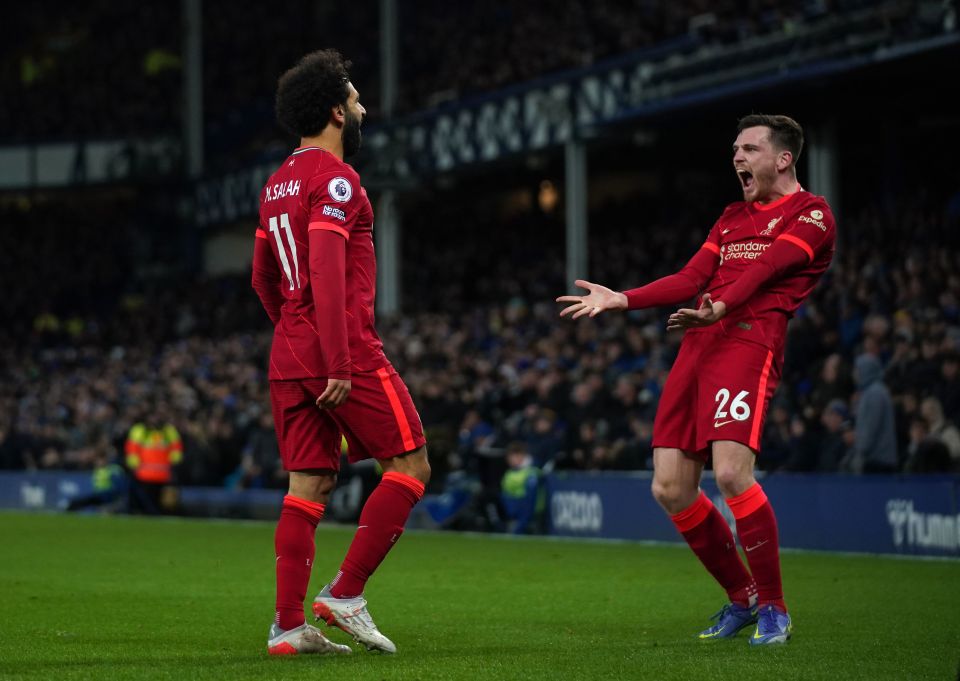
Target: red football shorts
(718, 389)
(378, 421)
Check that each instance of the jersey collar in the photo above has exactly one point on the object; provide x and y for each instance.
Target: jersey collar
(779, 202)
(300, 150)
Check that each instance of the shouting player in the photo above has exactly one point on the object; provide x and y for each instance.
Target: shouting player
(314, 270)
(759, 262)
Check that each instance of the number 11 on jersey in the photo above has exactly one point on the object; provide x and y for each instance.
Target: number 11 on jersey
(292, 277)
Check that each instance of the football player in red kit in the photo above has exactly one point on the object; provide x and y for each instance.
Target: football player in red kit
(314, 270)
(759, 262)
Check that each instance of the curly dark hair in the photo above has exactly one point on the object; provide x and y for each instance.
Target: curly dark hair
(307, 92)
(785, 133)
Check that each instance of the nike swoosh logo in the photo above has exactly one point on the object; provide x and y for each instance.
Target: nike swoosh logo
(748, 549)
(717, 424)
(725, 231)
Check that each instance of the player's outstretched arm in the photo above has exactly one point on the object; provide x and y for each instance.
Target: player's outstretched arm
(598, 299)
(708, 313)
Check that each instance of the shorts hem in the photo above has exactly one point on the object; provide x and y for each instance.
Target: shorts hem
(421, 440)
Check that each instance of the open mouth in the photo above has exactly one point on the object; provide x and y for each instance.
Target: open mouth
(746, 178)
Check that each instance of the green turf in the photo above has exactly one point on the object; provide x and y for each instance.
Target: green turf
(115, 597)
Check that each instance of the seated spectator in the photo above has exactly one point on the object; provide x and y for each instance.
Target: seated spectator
(925, 453)
(521, 493)
(939, 428)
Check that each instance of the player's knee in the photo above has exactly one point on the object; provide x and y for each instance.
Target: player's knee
(670, 495)
(421, 468)
(733, 480)
(415, 464)
(315, 487)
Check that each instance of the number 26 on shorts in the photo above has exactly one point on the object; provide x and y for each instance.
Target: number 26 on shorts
(739, 409)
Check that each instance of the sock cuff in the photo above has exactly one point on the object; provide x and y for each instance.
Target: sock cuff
(746, 503)
(311, 508)
(408, 481)
(694, 514)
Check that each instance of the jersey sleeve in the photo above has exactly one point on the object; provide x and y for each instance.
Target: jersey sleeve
(813, 230)
(683, 285)
(335, 202)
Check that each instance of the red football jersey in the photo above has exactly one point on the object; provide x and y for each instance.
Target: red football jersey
(313, 189)
(741, 235)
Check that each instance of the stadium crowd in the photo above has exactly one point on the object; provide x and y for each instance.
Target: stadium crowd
(489, 363)
(247, 44)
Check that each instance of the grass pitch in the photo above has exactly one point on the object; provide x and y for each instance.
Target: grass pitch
(97, 597)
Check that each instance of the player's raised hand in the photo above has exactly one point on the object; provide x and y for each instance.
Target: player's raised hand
(334, 394)
(598, 299)
(708, 313)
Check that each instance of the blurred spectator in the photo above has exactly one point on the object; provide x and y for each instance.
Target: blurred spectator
(521, 494)
(875, 439)
(110, 484)
(940, 429)
(948, 388)
(926, 454)
(260, 463)
(152, 450)
(837, 438)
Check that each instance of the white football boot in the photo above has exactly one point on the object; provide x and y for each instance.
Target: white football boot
(351, 615)
(304, 640)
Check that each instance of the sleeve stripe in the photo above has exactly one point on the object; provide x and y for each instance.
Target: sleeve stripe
(330, 228)
(800, 243)
(260, 234)
(712, 247)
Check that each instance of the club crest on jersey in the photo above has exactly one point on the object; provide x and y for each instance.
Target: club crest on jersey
(340, 189)
(770, 225)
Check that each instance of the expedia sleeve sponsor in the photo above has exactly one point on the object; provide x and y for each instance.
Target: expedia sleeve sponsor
(815, 218)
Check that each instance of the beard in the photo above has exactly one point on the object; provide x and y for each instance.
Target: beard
(351, 135)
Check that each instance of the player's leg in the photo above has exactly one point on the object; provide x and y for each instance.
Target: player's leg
(302, 510)
(678, 462)
(341, 603)
(309, 447)
(382, 520)
(733, 464)
(676, 481)
(379, 421)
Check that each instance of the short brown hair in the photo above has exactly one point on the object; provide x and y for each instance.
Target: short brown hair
(785, 133)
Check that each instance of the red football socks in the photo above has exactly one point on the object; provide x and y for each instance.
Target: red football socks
(294, 544)
(381, 524)
(757, 527)
(710, 537)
